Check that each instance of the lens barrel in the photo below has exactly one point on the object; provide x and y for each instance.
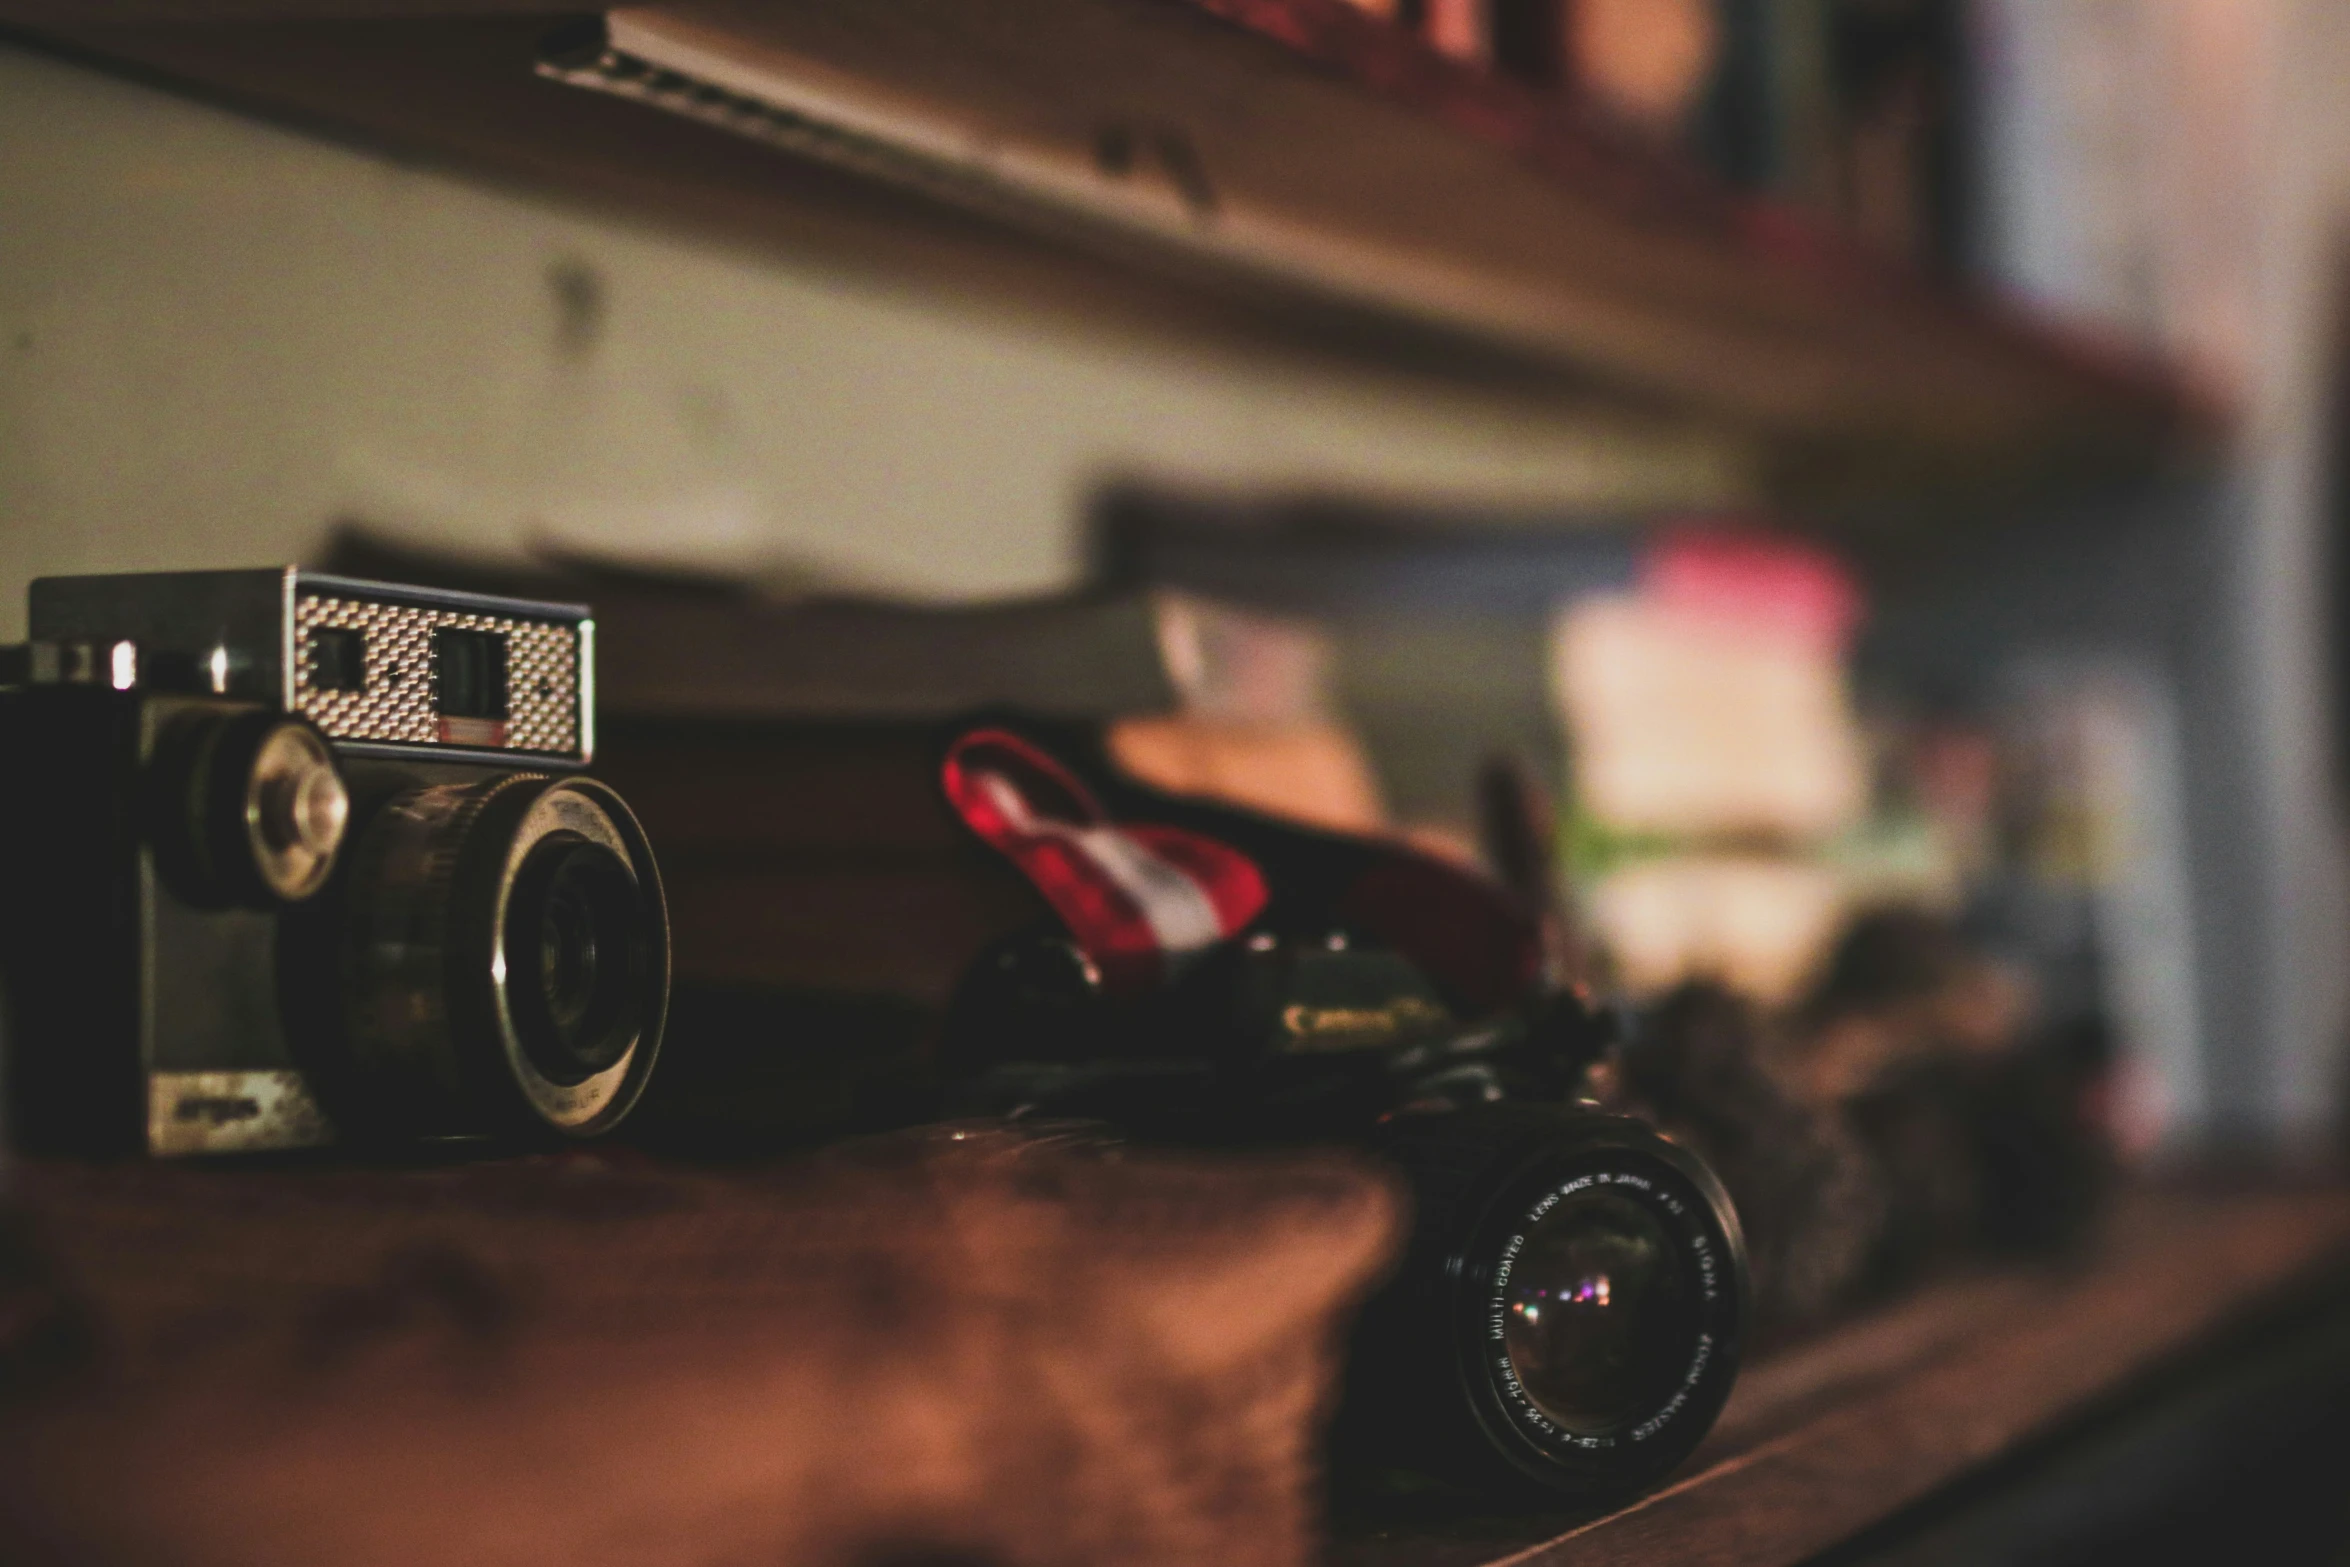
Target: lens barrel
(495, 959)
(1569, 1313)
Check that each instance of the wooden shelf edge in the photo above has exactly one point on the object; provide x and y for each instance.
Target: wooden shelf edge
(1455, 203)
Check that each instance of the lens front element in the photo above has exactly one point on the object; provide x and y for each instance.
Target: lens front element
(576, 961)
(1603, 1303)
(1568, 1313)
(1597, 1313)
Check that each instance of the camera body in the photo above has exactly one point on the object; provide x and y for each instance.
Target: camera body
(296, 859)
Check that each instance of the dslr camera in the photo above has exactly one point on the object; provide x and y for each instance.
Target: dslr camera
(295, 859)
(1568, 1314)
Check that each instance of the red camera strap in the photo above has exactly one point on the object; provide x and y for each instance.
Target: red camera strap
(1136, 897)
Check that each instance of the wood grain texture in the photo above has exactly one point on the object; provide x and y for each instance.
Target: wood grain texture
(919, 1350)
(1024, 1359)
(1354, 175)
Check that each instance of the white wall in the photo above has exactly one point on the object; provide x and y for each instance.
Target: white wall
(218, 337)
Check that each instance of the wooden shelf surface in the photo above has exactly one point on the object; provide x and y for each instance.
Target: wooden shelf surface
(211, 1290)
(1287, 167)
(948, 1346)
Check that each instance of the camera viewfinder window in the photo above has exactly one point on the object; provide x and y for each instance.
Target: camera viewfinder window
(469, 673)
(338, 659)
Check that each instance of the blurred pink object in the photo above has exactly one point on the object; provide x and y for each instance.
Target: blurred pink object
(1767, 583)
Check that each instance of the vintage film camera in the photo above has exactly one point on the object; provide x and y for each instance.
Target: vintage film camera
(294, 859)
(1569, 1312)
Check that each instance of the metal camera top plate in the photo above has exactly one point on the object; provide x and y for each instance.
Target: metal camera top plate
(253, 634)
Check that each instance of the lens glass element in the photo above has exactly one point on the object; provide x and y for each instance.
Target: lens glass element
(578, 973)
(1600, 1318)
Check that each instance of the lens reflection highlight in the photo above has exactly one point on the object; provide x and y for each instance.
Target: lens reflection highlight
(1600, 1320)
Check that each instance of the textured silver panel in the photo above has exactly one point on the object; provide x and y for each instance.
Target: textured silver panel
(542, 678)
(232, 1112)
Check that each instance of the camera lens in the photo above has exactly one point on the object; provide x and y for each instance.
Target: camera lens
(1595, 1313)
(496, 958)
(575, 954)
(1568, 1314)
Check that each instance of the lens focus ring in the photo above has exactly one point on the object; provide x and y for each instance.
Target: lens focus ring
(505, 951)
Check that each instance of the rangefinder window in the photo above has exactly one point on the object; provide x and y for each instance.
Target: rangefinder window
(338, 659)
(469, 673)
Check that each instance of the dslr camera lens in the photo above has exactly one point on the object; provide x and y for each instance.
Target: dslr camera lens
(1570, 1309)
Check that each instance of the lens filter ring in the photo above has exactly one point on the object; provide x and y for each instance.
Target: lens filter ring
(579, 957)
(1600, 1307)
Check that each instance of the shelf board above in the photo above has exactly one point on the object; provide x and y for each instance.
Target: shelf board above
(1282, 167)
